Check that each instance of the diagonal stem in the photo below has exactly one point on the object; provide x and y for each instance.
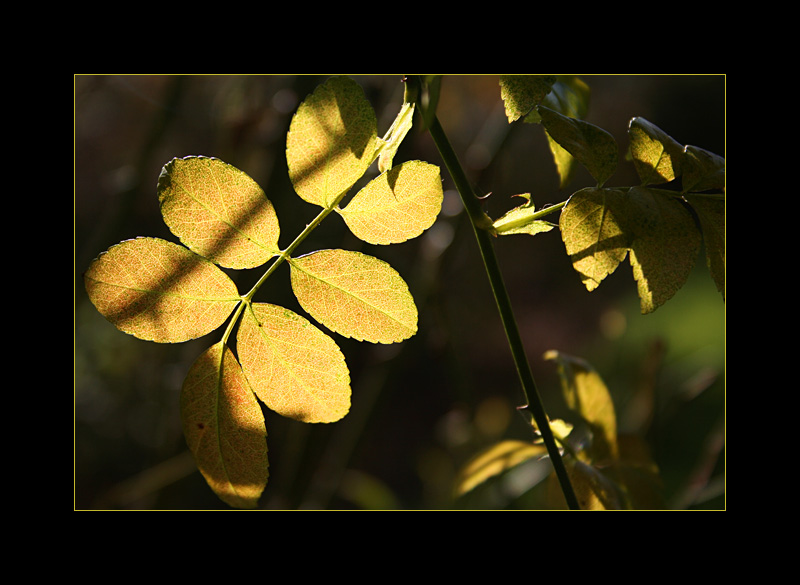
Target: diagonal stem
(480, 223)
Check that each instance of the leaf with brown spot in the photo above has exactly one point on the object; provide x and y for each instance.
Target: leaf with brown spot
(160, 291)
(294, 368)
(218, 212)
(224, 428)
(354, 295)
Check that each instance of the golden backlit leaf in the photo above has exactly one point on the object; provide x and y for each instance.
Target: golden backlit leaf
(593, 229)
(331, 141)
(294, 368)
(354, 295)
(224, 428)
(396, 206)
(493, 461)
(218, 211)
(160, 291)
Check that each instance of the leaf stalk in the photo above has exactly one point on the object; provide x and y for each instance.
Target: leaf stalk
(478, 218)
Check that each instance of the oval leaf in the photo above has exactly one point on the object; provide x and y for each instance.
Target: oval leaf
(331, 141)
(224, 428)
(160, 291)
(665, 248)
(656, 155)
(396, 206)
(593, 229)
(355, 295)
(294, 368)
(218, 211)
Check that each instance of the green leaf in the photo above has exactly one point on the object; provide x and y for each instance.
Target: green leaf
(493, 461)
(656, 156)
(569, 96)
(354, 295)
(594, 490)
(522, 93)
(711, 213)
(331, 141)
(224, 428)
(218, 211)
(586, 394)
(703, 171)
(591, 146)
(520, 220)
(594, 232)
(160, 291)
(397, 205)
(665, 246)
(294, 368)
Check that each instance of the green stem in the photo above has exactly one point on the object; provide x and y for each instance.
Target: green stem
(281, 257)
(479, 223)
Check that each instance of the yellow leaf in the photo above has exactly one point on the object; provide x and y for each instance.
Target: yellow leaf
(294, 368)
(218, 212)
(586, 393)
(224, 428)
(396, 206)
(331, 141)
(493, 461)
(354, 295)
(160, 291)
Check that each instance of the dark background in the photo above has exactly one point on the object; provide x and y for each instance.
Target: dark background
(420, 408)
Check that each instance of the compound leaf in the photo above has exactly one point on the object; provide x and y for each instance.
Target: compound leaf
(331, 141)
(665, 246)
(354, 295)
(160, 291)
(522, 93)
(594, 233)
(218, 211)
(224, 428)
(397, 205)
(294, 368)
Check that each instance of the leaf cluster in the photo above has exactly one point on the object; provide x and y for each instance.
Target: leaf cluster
(166, 292)
(608, 470)
(659, 224)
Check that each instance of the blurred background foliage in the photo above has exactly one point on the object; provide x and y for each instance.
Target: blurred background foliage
(421, 408)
